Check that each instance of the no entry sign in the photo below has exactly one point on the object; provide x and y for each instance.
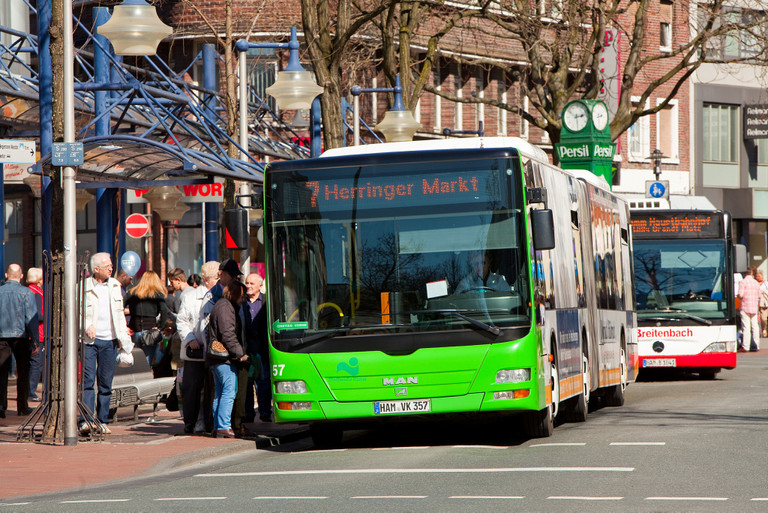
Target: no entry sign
(136, 226)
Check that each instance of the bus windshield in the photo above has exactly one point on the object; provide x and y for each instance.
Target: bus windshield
(414, 247)
(679, 278)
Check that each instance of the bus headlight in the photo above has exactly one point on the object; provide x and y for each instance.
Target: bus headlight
(290, 387)
(512, 394)
(513, 376)
(293, 406)
(715, 347)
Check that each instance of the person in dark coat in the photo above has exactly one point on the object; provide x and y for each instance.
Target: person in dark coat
(148, 310)
(225, 329)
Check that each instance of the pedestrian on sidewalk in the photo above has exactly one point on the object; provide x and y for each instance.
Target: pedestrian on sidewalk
(194, 374)
(38, 362)
(105, 332)
(254, 312)
(19, 336)
(148, 311)
(225, 330)
(749, 294)
(763, 303)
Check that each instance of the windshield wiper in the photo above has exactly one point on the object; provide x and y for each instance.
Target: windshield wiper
(675, 313)
(452, 311)
(313, 339)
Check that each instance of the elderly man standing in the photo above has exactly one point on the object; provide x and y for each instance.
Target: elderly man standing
(18, 335)
(105, 332)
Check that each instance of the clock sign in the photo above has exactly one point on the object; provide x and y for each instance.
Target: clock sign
(575, 116)
(599, 116)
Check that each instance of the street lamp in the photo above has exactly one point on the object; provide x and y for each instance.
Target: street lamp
(656, 157)
(294, 89)
(145, 43)
(134, 28)
(398, 124)
(165, 201)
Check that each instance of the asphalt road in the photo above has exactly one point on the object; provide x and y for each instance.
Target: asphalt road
(678, 444)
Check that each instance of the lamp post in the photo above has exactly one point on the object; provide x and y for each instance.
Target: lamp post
(656, 157)
(294, 88)
(398, 124)
(69, 196)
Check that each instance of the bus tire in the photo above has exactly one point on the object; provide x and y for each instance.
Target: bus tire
(541, 423)
(326, 435)
(709, 374)
(578, 407)
(614, 396)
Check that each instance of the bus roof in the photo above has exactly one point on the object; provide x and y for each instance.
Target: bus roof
(462, 143)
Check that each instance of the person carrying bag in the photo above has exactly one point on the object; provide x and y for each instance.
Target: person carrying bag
(146, 304)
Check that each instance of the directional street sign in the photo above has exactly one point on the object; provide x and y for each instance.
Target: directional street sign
(67, 154)
(658, 189)
(17, 152)
(136, 226)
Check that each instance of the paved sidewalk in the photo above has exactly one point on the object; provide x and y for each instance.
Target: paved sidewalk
(133, 449)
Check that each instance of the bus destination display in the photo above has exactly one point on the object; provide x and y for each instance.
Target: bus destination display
(685, 225)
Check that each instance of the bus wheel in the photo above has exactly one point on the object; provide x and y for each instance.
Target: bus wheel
(709, 374)
(326, 435)
(578, 407)
(541, 424)
(614, 396)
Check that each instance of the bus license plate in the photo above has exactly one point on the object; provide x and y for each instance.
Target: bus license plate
(659, 362)
(415, 406)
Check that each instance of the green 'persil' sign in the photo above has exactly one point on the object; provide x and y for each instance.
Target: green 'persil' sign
(586, 150)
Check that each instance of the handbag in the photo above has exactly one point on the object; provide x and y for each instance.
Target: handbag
(151, 337)
(218, 351)
(124, 358)
(195, 354)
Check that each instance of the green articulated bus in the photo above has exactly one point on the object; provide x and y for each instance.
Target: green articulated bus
(441, 277)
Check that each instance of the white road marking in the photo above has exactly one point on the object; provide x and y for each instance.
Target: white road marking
(418, 447)
(190, 499)
(280, 498)
(638, 443)
(481, 447)
(416, 471)
(560, 444)
(389, 497)
(686, 498)
(759, 499)
(583, 498)
(91, 501)
(499, 497)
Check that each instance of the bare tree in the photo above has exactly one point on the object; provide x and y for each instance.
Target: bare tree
(552, 48)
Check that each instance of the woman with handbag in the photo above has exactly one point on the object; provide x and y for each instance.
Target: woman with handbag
(224, 353)
(146, 304)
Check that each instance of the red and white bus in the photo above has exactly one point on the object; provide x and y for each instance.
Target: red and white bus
(684, 267)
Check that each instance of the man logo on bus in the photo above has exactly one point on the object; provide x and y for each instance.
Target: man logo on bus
(410, 380)
(350, 368)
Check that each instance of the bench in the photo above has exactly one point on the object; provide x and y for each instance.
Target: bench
(135, 386)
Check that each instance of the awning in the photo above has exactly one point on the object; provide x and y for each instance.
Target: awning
(137, 163)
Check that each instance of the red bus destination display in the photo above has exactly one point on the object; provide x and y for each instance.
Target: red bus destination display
(374, 192)
(685, 225)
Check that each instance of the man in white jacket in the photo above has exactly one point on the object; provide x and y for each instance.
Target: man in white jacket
(105, 332)
(194, 373)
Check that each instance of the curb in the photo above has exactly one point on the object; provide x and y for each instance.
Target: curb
(191, 458)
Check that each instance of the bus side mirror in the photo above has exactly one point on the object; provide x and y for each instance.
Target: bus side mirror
(236, 228)
(543, 225)
(739, 258)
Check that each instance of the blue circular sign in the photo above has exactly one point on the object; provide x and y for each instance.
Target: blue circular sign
(657, 190)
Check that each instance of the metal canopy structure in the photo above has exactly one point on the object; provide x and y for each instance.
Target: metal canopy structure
(132, 162)
(139, 125)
